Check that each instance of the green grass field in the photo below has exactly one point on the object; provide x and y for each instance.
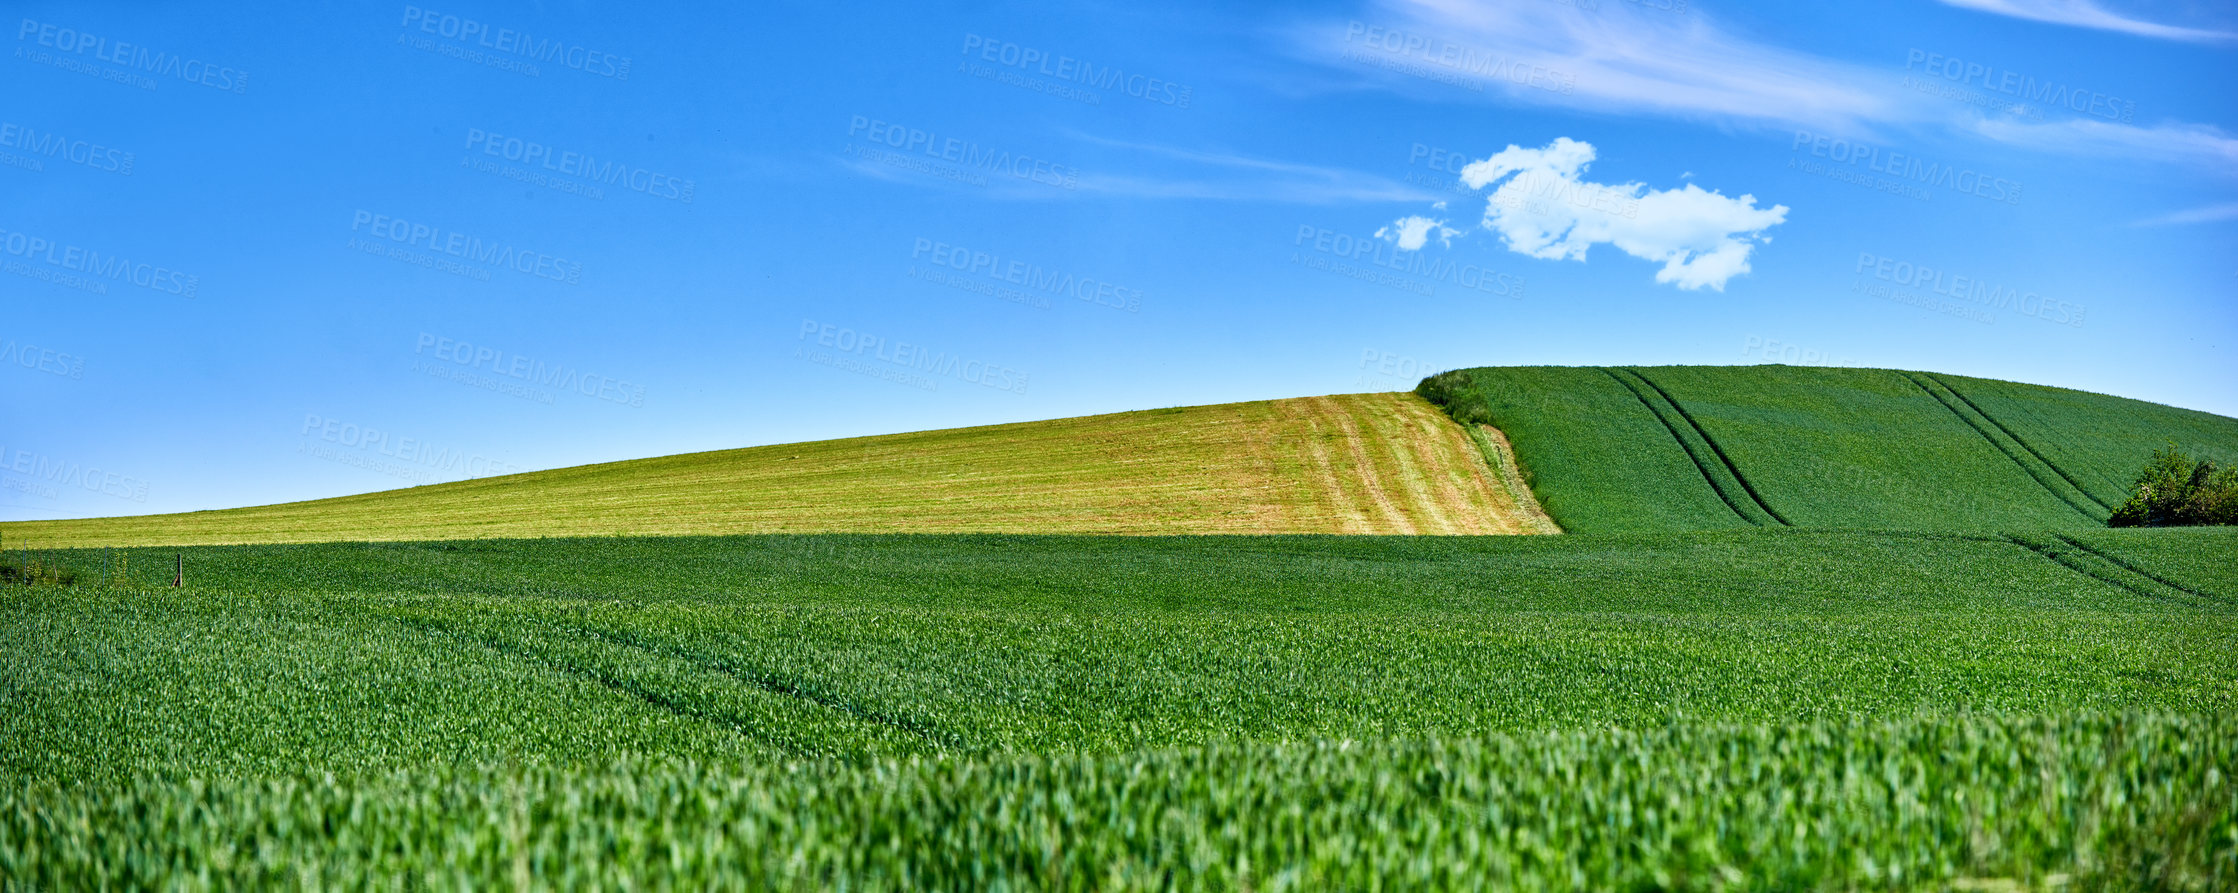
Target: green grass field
(1811, 629)
(819, 708)
(1672, 448)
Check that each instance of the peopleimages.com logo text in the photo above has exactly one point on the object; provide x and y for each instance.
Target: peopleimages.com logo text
(89, 269)
(1969, 289)
(136, 57)
(513, 45)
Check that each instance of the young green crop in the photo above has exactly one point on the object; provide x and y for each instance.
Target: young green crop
(1670, 448)
(1965, 802)
(2099, 442)
(1599, 459)
(1766, 709)
(375, 656)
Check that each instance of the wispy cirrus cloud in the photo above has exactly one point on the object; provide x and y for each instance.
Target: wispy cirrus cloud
(2196, 145)
(2209, 214)
(2087, 14)
(1618, 59)
(1170, 172)
(1624, 60)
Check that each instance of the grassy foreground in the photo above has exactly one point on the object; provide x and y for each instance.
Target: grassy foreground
(1760, 709)
(1360, 463)
(1706, 447)
(2094, 802)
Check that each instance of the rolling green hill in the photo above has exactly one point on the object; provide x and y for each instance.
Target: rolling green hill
(1869, 604)
(1359, 463)
(1706, 447)
(1641, 449)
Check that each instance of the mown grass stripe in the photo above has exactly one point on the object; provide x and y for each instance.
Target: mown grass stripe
(1421, 445)
(1281, 466)
(1320, 471)
(2024, 444)
(2032, 471)
(1389, 516)
(1715, 450)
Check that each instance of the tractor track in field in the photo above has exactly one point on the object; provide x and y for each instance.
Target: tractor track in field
(775, 685)
(611, 682)
(2137, 582)
(2089, 512)
(1764, 511)
(2024, 444)
(2127, 565)
(663, 701)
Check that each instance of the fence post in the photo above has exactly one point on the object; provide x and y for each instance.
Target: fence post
(178, 575)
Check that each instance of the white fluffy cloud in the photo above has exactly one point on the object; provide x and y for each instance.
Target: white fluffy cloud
(1413, 232)
(1543, 207)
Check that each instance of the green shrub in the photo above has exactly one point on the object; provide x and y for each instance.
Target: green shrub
(1456, 394)
(2176, 490)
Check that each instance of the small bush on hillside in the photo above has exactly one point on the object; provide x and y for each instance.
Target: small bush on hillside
(1452, 393)
(2175, 490)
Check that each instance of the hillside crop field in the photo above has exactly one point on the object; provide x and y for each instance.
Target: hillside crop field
(1669, 448)
(1809, 629)
(1359, 463)
(1753, 709)
(2093, 439)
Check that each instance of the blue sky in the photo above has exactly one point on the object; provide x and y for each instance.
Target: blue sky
(283, 251)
